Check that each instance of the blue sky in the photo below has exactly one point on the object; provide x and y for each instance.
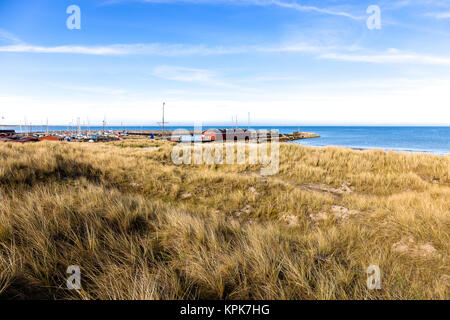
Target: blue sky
(284, 61)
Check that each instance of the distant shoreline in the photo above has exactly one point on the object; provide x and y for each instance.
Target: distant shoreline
(409, 151)
(409, 139)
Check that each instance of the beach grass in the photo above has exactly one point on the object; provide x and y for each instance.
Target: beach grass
(141, 227)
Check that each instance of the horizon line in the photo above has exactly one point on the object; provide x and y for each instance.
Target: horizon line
(240, 126)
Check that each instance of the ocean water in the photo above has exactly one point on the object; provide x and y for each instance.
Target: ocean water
(434, 140)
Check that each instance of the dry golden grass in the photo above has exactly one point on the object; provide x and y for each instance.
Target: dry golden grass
(141, 227)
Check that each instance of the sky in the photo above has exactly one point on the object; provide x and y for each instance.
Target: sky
(284, 62)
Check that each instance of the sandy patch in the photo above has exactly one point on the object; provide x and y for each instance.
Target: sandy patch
(319, 216)
(186, 195)
(290, 220)
(338, 212)
(343, 212)
(408, 247)
(337, 192)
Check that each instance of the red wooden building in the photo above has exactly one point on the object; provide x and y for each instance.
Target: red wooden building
(226, 135)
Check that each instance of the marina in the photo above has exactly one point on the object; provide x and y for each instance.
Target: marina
(208, 135)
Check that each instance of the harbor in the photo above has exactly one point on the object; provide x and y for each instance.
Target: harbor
(233, 134)
(209, 135)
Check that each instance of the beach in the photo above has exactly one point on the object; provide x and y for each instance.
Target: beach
(141, 227)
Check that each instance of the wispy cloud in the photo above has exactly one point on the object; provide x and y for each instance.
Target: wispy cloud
(183, 74)
(299, 7)
(439, 15)
(159, 49)
(175, 50)
(284, 4)
(92, 50)
(8, 37)
(193, 75)
(16, 45)
(390, 57)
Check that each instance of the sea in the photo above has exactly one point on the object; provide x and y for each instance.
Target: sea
(430, 139)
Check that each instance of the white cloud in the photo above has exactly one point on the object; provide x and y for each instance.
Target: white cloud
(298, 7)
(160, 49)
(93, 50)
(439, 15)
(195, 76)
(184, 74)
(8, 37)
(391, 57)
(174, 50)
